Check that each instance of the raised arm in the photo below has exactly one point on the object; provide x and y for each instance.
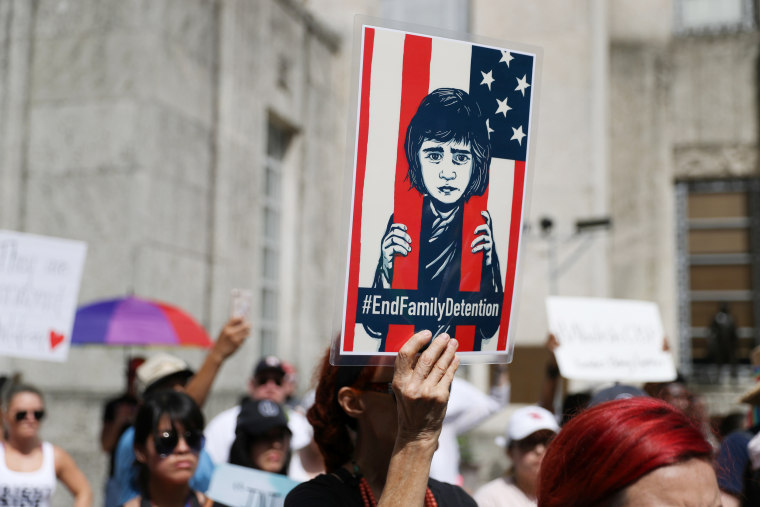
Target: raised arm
(421, 385)
(232, 336)
(67, 471)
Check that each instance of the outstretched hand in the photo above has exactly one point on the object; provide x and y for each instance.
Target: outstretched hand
(232, 336)
(422, 384)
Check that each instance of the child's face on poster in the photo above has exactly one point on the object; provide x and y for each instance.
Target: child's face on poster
(446, 169)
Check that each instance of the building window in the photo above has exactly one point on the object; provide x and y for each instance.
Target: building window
(718, 266)
(710, 16)
(278, 139)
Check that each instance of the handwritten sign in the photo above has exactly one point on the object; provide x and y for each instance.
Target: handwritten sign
(39, 284)
(609, 340)
(238, 486)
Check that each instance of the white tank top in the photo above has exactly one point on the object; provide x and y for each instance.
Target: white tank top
(28, 488)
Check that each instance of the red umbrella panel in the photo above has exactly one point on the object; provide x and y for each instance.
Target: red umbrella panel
(137, 321)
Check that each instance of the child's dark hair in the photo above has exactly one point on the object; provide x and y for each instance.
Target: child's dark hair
(179, 407)
(331, 424)
(445, 115)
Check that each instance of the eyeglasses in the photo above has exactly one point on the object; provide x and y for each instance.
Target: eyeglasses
(262, 381)
(166, 441)
(380, 387)
(38, 414)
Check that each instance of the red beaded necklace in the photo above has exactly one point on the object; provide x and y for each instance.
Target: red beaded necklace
(369, 498)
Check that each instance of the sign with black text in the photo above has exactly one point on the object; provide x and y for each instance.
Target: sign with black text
(609, 340)
(443, 134)
(39, 286)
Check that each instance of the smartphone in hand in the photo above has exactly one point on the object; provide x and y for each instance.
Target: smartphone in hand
(240, 303)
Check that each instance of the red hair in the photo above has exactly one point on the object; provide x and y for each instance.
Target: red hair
(612, 445)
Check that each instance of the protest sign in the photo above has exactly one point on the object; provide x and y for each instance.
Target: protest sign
(237, 486)
(440, 172)
(39, 285)
(609, 340)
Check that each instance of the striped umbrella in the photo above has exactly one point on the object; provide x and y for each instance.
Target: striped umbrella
(136, 321)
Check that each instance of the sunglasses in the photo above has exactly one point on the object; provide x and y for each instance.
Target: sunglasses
(261, 381)
(166, 441)
(380, 387)
(21, 414)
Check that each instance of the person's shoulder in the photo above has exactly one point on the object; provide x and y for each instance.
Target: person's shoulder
(224, 417)
(134, 502)
(450, 495)
(498, 490)
(323, 490)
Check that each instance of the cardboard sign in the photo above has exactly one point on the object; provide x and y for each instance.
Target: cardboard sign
(609, 340)
(39, 285)
(440, 171)
(237, 486)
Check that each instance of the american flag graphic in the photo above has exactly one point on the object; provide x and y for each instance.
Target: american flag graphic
(397, 70)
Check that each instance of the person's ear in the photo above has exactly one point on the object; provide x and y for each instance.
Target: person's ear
(140, 454)
(350, 401)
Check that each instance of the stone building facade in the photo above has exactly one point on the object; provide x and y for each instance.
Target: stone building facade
(199, 145)
(194, 145)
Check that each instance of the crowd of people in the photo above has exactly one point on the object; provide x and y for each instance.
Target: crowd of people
(386, 434)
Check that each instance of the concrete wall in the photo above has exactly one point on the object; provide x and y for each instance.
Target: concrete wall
(139, 126)
(570, 164)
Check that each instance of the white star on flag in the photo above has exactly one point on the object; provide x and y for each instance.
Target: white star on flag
(522, 84)
(487, 79)
(506, 57)
(517, 135)
(503, 107)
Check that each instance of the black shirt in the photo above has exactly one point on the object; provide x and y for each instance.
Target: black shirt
(341, 489)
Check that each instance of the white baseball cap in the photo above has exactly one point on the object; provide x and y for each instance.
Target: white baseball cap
(157, 368)
(526, 421)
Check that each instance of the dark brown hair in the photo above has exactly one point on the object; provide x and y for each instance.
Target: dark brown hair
(330, 422)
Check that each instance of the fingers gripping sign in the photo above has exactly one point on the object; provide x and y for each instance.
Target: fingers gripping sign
(484, 238)
(422, 383)
(395, 242)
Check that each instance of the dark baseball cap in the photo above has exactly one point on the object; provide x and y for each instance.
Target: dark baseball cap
(259, 416)
(267, 364)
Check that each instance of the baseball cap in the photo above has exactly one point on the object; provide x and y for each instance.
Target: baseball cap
(259, 416)
(527, 420)
(159, 367)
(615, 392)
(268, 363)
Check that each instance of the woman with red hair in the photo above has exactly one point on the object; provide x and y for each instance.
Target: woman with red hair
(377, 428)
(625, 453)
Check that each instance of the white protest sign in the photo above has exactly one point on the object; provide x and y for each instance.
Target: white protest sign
(39, 285)
(237, 486)
(609, 340)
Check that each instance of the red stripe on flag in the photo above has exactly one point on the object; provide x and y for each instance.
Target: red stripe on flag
(466, 337)
(407, 202)
(514, 237)
(361, 164)
(472, 263)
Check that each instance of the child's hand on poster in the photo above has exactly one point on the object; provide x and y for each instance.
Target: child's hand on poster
(484, 242)
(396, 241)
